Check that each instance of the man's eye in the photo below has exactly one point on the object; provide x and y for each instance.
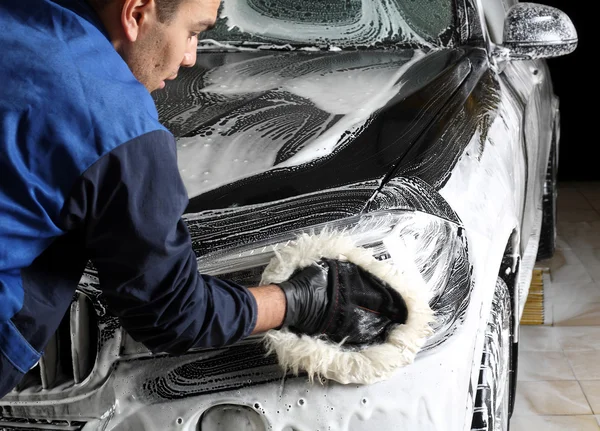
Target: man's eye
(192, 35)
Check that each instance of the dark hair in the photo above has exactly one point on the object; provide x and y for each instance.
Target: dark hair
(166, 9)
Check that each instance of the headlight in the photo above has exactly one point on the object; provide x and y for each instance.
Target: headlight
(437, 247)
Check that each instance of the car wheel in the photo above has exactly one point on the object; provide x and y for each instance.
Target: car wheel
(492, 401)
(548, 233)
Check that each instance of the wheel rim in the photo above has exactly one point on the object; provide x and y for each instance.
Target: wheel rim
(502, 390)
(493, 392)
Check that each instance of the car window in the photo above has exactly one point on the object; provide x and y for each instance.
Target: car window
(341, 23)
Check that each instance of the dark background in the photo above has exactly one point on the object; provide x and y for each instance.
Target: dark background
(576, 80)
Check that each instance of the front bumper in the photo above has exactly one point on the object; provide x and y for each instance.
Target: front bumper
(434, 393)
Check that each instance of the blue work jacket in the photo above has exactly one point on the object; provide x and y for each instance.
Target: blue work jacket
(87, 173)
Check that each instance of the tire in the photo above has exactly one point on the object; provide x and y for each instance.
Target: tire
(494, 389)
(548, 234)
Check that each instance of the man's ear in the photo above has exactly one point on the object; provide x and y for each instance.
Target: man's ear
(135, 15)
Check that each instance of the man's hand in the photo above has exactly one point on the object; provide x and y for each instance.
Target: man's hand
(302, 300)
(342, 301)
(308, 296)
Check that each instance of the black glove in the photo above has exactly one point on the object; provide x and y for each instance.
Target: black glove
(342, 300)
(308, 297)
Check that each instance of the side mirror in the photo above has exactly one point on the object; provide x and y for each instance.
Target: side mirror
(533, 31)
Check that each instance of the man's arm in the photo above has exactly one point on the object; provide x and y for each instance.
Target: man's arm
(271, 306)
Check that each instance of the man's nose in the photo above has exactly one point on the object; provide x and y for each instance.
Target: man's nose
(189, 58)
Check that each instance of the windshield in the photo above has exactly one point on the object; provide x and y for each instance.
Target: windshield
(334, 23)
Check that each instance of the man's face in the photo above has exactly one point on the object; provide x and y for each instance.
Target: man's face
(162, 48)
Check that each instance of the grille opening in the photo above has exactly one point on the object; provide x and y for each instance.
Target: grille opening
(22, 424)
(55, 368)
(31, 380)
(70, 355)
(84, 337)
(64, 366)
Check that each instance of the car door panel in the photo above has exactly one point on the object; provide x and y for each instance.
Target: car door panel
(529, 80)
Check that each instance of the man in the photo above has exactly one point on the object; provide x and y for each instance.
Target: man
(88, 173)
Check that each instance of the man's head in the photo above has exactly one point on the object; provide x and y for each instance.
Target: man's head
(156, 37)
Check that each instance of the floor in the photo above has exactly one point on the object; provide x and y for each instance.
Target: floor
(559, 363)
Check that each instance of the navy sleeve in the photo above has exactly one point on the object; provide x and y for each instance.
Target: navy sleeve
(129, 204)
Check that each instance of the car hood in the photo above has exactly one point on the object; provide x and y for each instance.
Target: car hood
(254, 127)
